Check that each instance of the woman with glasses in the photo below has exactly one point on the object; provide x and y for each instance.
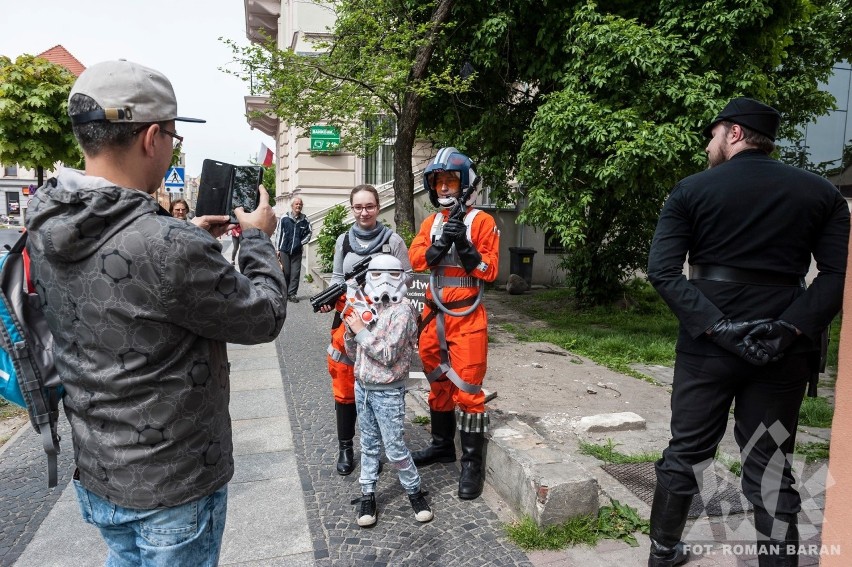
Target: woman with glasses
(367, 237)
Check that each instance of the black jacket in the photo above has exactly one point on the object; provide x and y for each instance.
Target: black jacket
(751, 212)
(293, 233)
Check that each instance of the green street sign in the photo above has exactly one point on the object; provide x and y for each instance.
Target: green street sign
(325, 138)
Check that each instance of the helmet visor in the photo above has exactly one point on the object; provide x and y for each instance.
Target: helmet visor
(452, 179)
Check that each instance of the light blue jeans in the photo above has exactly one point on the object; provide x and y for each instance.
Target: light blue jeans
(189, 534)
(381, 419)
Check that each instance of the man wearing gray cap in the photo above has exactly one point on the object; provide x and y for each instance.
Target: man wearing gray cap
(750, 331)
(141, 305)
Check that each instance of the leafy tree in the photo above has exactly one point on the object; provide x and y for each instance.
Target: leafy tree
(602, 104)
(376, 63)
(333, 225)
(35, 131)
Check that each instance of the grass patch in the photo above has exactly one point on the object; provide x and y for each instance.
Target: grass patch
(733, 465)
(816, 412)
(607, 453)
(813, 451)
(421, 420)
(639, 328)
(617, 521)
(8, 410)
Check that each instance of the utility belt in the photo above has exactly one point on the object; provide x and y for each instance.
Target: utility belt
(744, 276)
(433, 309)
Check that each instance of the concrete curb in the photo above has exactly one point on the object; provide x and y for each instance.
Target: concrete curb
(533, 478)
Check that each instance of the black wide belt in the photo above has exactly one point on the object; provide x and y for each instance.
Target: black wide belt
(743, 276)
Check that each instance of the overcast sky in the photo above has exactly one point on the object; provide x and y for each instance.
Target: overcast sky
(177, 37)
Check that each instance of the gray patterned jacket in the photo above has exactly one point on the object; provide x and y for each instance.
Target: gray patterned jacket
(141, 306)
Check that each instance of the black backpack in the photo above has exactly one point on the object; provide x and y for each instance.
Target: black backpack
(27, 374)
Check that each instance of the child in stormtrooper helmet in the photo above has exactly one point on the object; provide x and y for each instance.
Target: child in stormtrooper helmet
(382, 353)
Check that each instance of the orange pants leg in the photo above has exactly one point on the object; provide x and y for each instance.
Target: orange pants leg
(342, 374)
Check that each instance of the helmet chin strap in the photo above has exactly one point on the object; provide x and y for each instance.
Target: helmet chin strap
(447, 202)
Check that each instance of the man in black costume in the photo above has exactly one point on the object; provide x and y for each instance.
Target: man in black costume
(749, 328)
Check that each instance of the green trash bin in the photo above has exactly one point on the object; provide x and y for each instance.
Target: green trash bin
(521, 262)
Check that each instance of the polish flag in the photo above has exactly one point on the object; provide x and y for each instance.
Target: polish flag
(264, 156)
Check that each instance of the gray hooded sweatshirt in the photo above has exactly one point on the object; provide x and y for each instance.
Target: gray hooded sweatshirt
(141, 305)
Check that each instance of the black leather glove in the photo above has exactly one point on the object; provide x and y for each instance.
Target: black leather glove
(437, 251)
(730, 336)
(453, 231)
(468, 254)
(769, 340)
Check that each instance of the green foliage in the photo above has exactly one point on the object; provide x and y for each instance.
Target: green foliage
(607, 453)
(333, 226)
(620, 521)
(420, 420)
(817, 451)
(35, 131)
(407, 234)
(595, 107)
(617, 521)
(816, 412)
(269, 181)
(376, 61)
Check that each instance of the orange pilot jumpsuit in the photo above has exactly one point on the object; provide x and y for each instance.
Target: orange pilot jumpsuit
(466, 336)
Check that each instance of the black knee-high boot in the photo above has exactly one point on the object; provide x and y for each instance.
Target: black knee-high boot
(472, 478)
(443, 447)
(346, 416)
(776, 536)
(668, 518)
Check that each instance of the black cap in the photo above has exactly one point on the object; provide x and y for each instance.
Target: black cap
(751, 114)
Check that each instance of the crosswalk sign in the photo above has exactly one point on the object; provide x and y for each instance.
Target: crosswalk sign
(174, 178)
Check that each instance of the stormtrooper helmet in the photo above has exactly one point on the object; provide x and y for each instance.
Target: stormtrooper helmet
(385, 279)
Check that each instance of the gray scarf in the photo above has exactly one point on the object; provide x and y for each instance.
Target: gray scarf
(374, 238)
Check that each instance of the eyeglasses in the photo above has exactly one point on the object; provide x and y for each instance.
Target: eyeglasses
(176, 140)
(361, 208)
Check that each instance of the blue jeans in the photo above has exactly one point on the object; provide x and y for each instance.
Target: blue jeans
(189, 534)
(381, 419)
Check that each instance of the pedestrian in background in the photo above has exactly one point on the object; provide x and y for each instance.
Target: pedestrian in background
(749, 328)
(135, 301)
(294, 231)
(179, 209)
(382, 350)
(366, 237)
(462, 253)
(236, 235)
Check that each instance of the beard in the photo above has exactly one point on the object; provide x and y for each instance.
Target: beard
(716, 155)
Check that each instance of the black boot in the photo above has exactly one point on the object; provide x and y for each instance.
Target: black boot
(472, 477)
(774, 535)
(443, 447)
(346, 416)
(668, 518)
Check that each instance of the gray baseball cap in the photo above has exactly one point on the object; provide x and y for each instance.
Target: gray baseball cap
(127, 92)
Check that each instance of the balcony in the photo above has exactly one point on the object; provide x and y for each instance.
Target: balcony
(262, 19)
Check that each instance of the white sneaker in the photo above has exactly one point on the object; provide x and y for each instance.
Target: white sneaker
(367, 510)
(422, 511)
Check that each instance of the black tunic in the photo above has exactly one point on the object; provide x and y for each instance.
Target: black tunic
(756, 213)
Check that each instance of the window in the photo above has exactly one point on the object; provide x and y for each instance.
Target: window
(552, 245)
(378, 168)
(10, 171)
(485, 200)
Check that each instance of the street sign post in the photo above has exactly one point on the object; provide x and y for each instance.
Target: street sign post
(174, 178)
(325, 138)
